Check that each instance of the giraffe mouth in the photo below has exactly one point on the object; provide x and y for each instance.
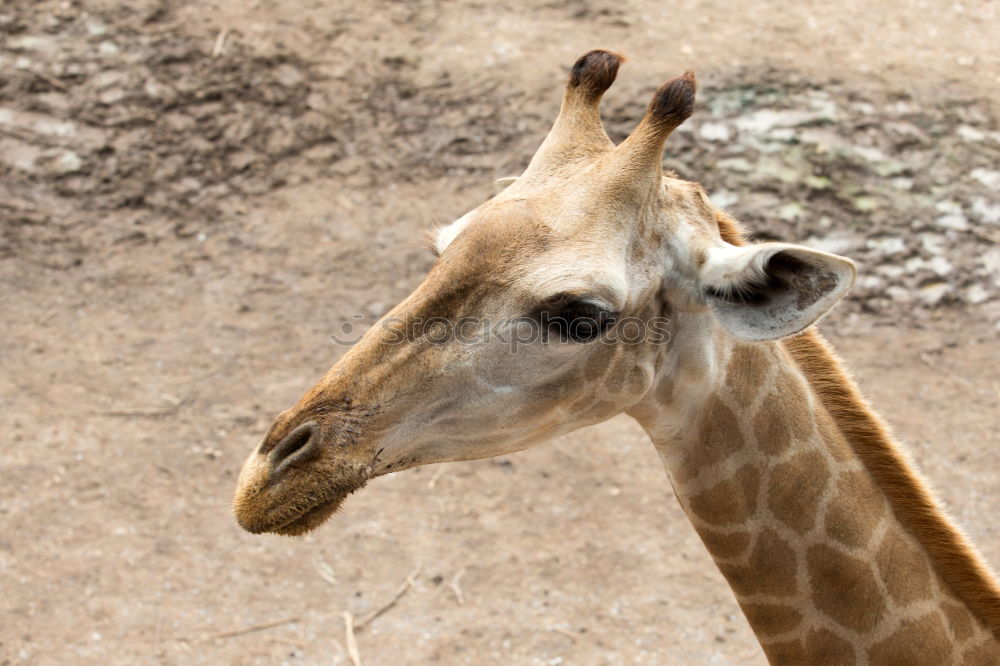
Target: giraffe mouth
(296, 505)
(310, 519)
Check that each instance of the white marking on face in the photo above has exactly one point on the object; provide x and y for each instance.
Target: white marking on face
(450, 232)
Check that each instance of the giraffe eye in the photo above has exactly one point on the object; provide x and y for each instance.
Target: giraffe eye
(576, 320)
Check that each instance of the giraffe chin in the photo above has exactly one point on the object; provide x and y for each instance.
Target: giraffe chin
(310, 519)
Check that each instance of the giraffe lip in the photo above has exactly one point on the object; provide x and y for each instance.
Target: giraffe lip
(311, 518)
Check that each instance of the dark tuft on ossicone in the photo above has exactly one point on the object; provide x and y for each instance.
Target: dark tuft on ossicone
(673, 103)
(594, 72)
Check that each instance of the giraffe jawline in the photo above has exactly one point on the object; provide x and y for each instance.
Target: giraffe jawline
(311, 518)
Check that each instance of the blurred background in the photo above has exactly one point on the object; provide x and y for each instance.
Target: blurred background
(194, 195)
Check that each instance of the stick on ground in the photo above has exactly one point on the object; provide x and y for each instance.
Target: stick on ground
(253, 627)
(456, 588)
(352, 642)
(392, 602)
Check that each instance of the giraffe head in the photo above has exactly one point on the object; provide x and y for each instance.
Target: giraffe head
(554, 305)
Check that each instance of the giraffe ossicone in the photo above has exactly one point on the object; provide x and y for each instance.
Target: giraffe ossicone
(834, 548)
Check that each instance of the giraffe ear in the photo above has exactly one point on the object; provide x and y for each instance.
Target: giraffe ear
(773, 290)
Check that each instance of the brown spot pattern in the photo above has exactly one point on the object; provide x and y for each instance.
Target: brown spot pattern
(720, 439)
(746, 372)
(986, 653)
(904, 569)
(959, 620)
(773, 433)
(825, 647)
(724, 545)
(853, 515)
(729, 501)
(771, 619)
(771, 569)
(844, 588)
(796, 488)
(921, 641)
(786, 652)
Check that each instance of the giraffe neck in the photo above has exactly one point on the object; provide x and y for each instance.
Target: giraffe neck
(813, 545)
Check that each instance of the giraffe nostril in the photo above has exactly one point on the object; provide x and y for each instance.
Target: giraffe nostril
(298, 444)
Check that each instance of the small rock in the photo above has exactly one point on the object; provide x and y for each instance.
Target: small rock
(240, 160)
(891, 271)
(948, 206)
(67, 162)
(96, 28)
(933, 292)
(871, 283)
(987, 177)
(991, 262)
(940, 265)
(791, 211)
(818, 182)
(899, 294)
(932, 243)
(976, 294)
(31, 43)
(288, 76)
(887, 246)
(725, 198)
(765, 120)
(112, 96)
(865, 203)
(969, 133)
(322, 152)
(108, 48)
(18, 154)
(986, 211)
(715, 131)
(835, 243)
(956, 221)
(735, 164)
(871, 154)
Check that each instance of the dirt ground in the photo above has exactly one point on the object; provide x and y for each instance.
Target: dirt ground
(193, 196)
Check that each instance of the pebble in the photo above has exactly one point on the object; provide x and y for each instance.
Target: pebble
(940, 265)
(932, 293)
(725, 198)
(988, 212)
(987, 177)
(67, 162)
(715, 131)
(887, 246)
(970, 133)
(932, 243)
(976, 294)
(108, 48)
(956, 221)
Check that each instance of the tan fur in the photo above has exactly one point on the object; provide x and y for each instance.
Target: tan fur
(956, 560)
(831, 542)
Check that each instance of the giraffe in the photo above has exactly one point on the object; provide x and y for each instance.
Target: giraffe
(834, 547)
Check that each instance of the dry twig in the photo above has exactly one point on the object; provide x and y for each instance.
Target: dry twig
(325, 571)
(367, 619)
(51, 80)
(252, 628)
(455, 587)
(220, 43)
(352, 642)
(435, 478)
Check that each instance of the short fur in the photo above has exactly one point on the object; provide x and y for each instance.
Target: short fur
(955, 559)
(594, 72)
(673, 102)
